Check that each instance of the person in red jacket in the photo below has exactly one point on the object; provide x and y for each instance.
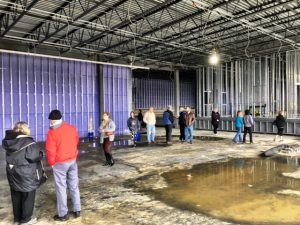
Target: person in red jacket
(61, 146)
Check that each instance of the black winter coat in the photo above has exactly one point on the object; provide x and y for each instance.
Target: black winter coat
(133, 124)
(215, 118)
(181, 120)
(23, 160)
(280, 121)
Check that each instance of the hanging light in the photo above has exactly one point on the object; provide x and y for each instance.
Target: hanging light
(214, 57)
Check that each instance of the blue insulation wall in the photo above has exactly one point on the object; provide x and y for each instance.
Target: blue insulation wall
(161, 93)
(116, 98)
(30, 87)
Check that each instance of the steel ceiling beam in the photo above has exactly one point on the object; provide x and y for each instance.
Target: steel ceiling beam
(16, 20)
(210, 24)
(65, 4)
(134, 19)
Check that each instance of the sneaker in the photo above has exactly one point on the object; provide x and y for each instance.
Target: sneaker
(76, 214)
(30, 222)
(105, 164)
(61, 218)
(191, 142)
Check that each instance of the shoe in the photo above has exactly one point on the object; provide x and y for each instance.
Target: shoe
(191, 142)
(30, 222)
(105, 164)
(76, 214)
(61, 218)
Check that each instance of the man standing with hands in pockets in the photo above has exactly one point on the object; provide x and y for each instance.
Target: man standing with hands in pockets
(61, 147)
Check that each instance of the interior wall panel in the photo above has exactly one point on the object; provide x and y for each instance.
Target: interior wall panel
(32, 86)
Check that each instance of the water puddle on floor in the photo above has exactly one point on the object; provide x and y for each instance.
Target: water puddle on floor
(250, 191)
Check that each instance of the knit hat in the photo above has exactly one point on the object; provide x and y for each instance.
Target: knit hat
(55, 115)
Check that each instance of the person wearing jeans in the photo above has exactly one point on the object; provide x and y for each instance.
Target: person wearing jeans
(189, 121)
(238, 124)
(150, 120)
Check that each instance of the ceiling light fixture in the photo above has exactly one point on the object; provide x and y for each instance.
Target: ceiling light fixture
(214, 57)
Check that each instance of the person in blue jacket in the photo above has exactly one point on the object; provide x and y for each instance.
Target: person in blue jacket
(168, 119)
(238, 124)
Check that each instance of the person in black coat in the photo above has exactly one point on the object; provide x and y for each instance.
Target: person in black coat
(215, 119)
(23, 160)
(181, 122)
(134, 126)
(279, 122)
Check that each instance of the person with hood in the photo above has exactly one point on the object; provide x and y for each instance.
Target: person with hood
(168, 120)
(61, 146)
(215, 119)
(279, 122)
(107, 136)
(23, 159)
(134, 126)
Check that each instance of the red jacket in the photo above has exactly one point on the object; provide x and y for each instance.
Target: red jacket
(61, 144)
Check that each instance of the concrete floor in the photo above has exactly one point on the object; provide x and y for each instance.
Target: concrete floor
(113, 195)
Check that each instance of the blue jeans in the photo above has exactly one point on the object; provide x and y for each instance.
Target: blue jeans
(238, 135)
(150, 133)
(188, 133)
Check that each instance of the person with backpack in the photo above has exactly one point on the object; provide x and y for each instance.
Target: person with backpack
(248, 124)
(279, 122)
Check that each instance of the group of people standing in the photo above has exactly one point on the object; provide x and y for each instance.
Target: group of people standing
(186, 120)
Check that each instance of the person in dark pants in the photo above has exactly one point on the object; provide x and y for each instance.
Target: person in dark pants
(22, 158)
(279, 122)
(134, 126)
(140, 118)
(181, 124)
(168, 120)
(107, 130)
(248, 124)
(215, 119)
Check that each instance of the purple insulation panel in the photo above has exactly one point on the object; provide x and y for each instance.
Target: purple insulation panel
(161, 93)
(116, 82)
(30, 87)
(188, 94)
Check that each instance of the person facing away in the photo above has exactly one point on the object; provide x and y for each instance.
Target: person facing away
(107, 136)
(140, 118)
(189, 120)
(150, 121)
(61, 146)
(238, 125)
(168, 120)
(181, 123)
(134, 126)
(248, 124)
(22, 158)
(279, 122)
(215, 119)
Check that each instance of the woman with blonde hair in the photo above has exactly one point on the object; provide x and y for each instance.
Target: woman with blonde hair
(107, 135)
(23, 159)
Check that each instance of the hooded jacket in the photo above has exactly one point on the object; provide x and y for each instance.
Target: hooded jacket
(133, 124)
(23, 158)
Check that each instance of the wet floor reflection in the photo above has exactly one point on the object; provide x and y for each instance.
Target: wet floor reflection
(241, 190)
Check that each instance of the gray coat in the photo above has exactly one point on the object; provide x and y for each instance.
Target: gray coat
(111, 127)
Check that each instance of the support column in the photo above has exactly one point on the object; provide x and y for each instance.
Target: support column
(101, 91)
(177, 92)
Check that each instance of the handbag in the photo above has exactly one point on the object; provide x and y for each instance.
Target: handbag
(109, 133)
(41, 174)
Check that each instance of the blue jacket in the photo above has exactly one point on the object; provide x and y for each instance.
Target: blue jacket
(239, 122)
(168, 117)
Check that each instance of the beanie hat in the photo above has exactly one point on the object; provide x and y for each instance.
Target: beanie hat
(55, 115)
